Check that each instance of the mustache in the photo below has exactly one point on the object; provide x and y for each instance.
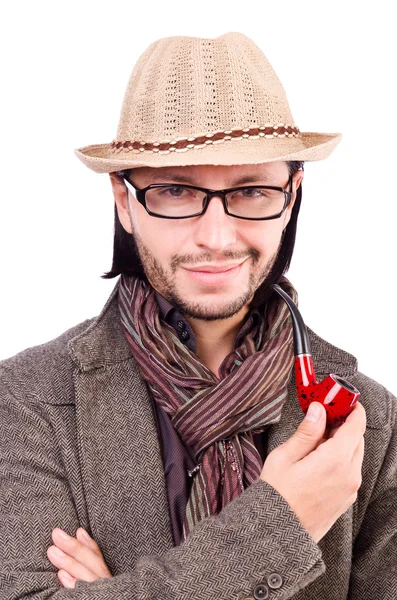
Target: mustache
(209, 257)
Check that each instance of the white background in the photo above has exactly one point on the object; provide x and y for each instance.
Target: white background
(64, 69)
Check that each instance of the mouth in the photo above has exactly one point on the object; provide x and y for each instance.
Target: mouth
(213, 275)
(213, 268)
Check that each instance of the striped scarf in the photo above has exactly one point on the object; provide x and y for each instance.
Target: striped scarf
(216, 419)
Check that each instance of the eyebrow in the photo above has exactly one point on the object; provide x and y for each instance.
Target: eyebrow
(164, 177)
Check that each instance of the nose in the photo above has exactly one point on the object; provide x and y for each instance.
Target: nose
(215, 230)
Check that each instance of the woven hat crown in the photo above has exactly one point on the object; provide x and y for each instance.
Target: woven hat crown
(200, 101)
(183, 87)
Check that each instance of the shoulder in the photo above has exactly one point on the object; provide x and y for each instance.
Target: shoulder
(42, 373)
(45, 373)
(379, 403)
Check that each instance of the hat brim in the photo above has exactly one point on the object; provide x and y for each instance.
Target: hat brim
(103, 158)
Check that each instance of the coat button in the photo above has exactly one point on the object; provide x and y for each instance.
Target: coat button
(261, 592)
(275, 581)
(181, 325)
(184, 335)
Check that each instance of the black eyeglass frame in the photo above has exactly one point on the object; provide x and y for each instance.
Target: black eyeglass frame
(141, 193)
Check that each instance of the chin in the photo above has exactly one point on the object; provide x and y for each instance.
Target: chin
(215, 309)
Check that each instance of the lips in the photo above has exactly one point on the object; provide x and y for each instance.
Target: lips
(213, 276)
(212, 268)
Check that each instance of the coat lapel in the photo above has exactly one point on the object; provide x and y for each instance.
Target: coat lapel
(120, 457)
(121, 462)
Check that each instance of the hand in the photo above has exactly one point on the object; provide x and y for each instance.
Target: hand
(76, 558)
(318, 475)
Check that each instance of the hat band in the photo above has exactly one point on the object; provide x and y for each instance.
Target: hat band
(268, 131)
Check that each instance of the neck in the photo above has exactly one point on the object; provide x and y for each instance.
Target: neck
(215, 339)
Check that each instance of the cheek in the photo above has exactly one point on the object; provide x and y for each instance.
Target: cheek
(263, 237)
(162, 237)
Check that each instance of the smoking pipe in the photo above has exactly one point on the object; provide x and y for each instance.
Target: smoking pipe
(336, 394)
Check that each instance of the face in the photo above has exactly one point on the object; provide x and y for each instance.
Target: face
(208, 266)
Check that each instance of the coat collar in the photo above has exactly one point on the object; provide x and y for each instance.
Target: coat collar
(104, 343)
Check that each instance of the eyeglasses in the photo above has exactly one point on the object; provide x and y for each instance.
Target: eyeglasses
(173, 201)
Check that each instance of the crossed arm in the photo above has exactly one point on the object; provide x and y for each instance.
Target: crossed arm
(35, 497)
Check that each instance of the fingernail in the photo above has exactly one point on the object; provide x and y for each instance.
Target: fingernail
(314, 412)
(85, 535)
(62, 534)
(66, 579)
(57, 551)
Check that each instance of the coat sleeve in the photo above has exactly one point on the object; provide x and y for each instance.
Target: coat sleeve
(374, 566)
(224, 558)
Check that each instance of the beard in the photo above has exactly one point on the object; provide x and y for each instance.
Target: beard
(164, 281)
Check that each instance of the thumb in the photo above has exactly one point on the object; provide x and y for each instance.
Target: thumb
(309, 433)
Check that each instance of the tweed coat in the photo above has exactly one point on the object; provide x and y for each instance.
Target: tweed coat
(79, 447)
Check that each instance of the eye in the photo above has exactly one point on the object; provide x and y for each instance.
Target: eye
(176, 191)
(251, 192)
(173, 191)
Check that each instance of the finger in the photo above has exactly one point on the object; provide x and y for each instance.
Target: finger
(322, 441)
(349, 433)
(81, 553)
(307, 436)
(356, 465)
(66, 580)
(333, 430)
(358, 455)
(60, 560)
(86, 539)
(342, 447)
(358, 415)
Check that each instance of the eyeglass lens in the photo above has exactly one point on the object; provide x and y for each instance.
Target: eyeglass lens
(179, 201)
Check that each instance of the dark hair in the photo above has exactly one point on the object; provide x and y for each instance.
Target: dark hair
(126, 258)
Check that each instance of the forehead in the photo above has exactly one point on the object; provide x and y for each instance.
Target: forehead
(273, 172)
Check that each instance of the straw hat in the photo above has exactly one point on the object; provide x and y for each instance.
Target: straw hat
(197, 101)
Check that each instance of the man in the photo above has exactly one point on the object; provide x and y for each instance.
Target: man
(168, 428)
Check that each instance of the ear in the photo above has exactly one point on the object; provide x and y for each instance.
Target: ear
(120, 194)
(297, 178)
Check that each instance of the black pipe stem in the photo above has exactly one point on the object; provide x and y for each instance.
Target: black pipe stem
(301, 338)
